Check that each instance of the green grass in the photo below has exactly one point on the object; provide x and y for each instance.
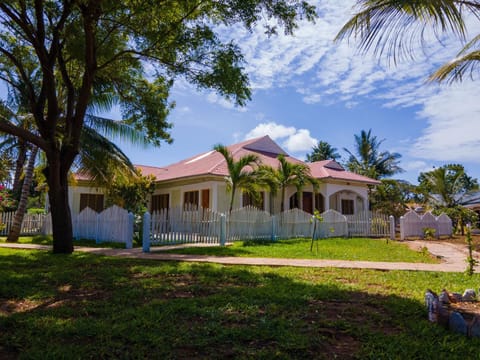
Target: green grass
(87, 306)
(48, 240)
(362, 249)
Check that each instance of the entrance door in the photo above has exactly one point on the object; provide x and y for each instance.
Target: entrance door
(308, 202)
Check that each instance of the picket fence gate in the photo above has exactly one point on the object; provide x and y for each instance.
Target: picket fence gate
(414, 225)
(111, 225)
(191, 225)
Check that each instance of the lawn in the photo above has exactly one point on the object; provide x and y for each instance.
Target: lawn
(88, 306)
(48, 240)
(334, 248)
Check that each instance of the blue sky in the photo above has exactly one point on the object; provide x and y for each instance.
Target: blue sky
(307, 88)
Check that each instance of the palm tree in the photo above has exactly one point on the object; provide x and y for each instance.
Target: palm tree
(22, 204)
(286, 174)
(240, 173)
(398, 28)
(99, 157)
(446, 186)
(323, 151)
(370, 161)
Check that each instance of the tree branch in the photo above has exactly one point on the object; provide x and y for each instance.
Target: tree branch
(7, 127)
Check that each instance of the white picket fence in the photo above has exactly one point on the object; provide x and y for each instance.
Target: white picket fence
(111, 225)
(414, 225)
(33, 224)
(178, 226)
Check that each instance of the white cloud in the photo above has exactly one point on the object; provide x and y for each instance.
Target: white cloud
(272, 129)
(417, 166)
(301, 141)
(296, 140)
(453, 131)
(324, 72)
(216, 99)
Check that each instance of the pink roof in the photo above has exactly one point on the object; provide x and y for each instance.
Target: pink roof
(213, 163)
(330, 169)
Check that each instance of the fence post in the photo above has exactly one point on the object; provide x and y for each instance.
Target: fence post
(402, 228)
(97, 229)
(146, 232)
(274, 228)
(392, 227)
(223, 229)
(129, 235)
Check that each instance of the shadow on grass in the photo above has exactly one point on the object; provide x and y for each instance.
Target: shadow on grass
(95, 307)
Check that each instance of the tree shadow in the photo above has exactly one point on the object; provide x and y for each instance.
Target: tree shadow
(96, 306)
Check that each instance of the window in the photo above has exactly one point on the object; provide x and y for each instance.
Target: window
(159, 202)
(347, 207)
(206, 198)
(256, 201)
(93, 201)
(190, 199)
(294, 203)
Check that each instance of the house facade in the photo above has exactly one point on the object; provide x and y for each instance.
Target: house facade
(201, 181)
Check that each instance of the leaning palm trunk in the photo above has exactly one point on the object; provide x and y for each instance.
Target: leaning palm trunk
(22, 204)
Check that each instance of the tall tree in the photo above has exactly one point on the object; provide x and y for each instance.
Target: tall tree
(370, 161)
(397, 29)
(69, 52)
(241, 174)
(446, 186)
(22, 203)
(323, 151)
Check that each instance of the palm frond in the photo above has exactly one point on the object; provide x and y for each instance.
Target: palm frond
(100, 158)
(397, 27)
(117, 129)
(465, 64)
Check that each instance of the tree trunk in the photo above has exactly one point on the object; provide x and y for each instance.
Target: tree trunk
(19, 163)
(22, 204)
(57, 180)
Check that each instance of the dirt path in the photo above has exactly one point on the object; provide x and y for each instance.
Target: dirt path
(452, 256)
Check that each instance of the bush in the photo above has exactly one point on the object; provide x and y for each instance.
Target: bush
(429, 233)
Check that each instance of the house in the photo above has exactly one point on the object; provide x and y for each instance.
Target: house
(200, 180)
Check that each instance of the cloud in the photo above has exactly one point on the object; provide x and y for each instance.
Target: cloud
(295, 140)
(327, 72)
(300, 141)
(216, 99)
(452, 133)
(272, 129)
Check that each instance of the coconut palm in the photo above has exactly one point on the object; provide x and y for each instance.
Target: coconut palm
(241, 174)
(371, 161)
(286, 174)
(399, 28)
(99, 156)
(446, 186)
(323, 151)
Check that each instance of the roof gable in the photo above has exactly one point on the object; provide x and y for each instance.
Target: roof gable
(265, 145)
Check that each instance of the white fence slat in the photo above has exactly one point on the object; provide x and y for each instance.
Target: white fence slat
(413, 225)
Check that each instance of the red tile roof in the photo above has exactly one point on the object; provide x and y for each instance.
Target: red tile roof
(213, 163)
(330, 169)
